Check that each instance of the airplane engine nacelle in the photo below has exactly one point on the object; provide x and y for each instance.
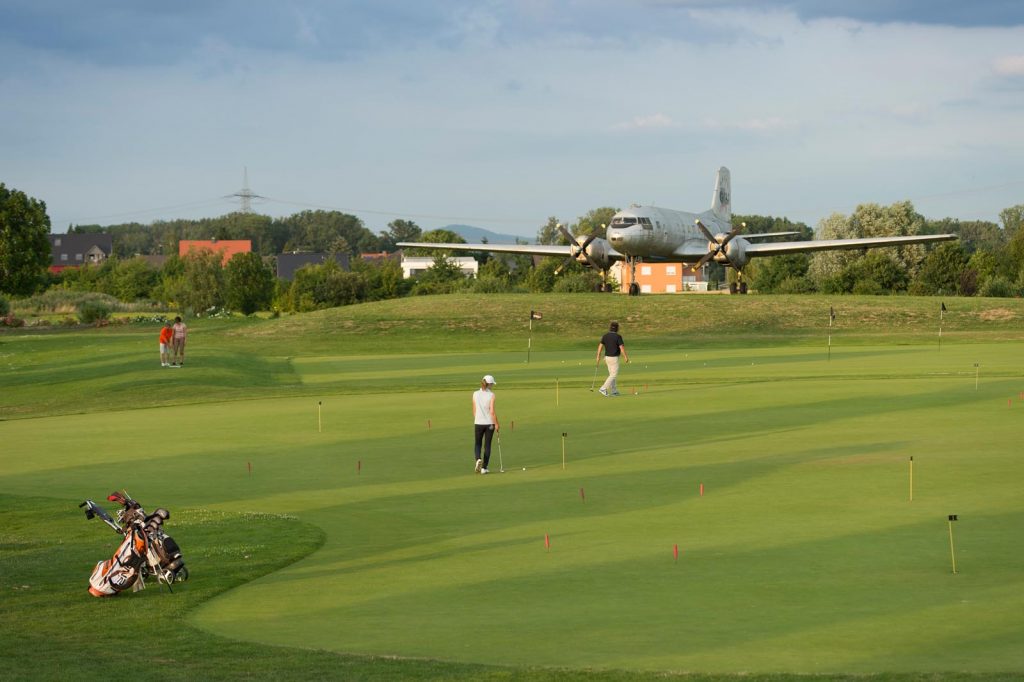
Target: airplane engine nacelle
(598, 251)
(735, 253)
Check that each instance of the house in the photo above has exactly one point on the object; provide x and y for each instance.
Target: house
(288, 263)
(414, 265)
(226, 247)
(75, 250)
(661, 278)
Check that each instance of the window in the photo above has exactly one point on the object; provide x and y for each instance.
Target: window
(63, 256)
(645, 270)
(56, 242)
(78, 256)
(670, 288)
(670, 270)
(645, 288)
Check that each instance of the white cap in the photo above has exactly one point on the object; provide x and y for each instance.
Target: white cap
(489, 379)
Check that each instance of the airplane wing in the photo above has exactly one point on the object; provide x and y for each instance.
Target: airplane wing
(779, 248)
(533, 249)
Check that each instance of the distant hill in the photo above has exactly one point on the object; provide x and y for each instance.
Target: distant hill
(474, 235)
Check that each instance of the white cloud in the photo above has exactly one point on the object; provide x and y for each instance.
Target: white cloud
(646, 122)
(1009, 65)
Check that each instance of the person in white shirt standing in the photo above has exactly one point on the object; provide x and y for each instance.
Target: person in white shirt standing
(485, 423)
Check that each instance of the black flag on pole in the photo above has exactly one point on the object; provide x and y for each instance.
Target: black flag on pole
(943, 308)
(831, 314)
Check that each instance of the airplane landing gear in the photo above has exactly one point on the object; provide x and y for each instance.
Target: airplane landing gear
(634, 288)
(739, 286)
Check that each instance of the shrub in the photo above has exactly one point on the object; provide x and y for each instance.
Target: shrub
(997, 287)
(12, 321)
(5, 307)
(93, 312)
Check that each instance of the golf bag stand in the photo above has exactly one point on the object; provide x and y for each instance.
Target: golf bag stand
(145, 551)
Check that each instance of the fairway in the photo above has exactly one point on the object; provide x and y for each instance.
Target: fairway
(780, 472)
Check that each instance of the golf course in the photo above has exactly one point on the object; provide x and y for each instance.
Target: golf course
(772, 494)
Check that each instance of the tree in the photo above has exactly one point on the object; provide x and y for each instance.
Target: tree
(203, 281)
(549, 232)
(400, 231)
(439, 236)
(772, 272)
(595, 222)
(942, 271)
(132, 279)
(1012, 218)
(250, 283)
(24, 246)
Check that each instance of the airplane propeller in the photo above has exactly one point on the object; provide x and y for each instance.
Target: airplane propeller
(714, 246)
(580, 249)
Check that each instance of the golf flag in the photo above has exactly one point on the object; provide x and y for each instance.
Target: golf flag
(831, 314)
(943, 309)
(534, 315)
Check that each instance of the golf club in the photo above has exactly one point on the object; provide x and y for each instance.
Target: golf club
(501, 462)
(594, 382)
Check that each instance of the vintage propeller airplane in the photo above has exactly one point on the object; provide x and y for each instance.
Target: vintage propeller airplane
(652, 234)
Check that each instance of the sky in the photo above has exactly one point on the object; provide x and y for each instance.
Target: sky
(501, 114)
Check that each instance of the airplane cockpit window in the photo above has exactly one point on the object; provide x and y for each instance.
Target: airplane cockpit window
(646, 222)
(621, 221)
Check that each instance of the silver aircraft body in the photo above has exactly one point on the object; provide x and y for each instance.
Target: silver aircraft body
(652, 234)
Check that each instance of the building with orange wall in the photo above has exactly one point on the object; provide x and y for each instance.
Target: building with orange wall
(226, 247)
(661, 278)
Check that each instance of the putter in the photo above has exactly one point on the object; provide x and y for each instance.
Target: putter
(594, 382)
(501, 462)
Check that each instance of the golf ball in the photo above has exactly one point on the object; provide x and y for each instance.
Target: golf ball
(524, 468)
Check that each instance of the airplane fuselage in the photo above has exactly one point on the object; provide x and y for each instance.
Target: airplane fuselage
(660, 233)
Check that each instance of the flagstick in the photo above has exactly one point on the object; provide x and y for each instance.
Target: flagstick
(911, 478)
(940, 328)
(529, 340)
(319, 419)
(952, 554)
(563, 450)
(830, 317)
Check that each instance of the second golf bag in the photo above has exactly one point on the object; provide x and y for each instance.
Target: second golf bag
(145, 551)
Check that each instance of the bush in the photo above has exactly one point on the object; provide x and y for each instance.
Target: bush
(997, 287)
(12, 321)
(5, 307)
(93, 312)
(795, 285)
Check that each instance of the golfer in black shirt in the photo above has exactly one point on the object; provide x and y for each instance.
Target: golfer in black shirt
(613, 346)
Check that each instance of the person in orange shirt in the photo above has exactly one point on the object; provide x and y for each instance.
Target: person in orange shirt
(165, 344)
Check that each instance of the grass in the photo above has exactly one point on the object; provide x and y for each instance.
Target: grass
(365, 550)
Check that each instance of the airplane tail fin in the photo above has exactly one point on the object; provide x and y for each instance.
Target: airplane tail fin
(721, 202)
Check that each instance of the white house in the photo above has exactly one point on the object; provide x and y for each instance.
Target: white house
(414, 265)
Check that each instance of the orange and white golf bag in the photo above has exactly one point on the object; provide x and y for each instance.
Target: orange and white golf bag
(146, 551)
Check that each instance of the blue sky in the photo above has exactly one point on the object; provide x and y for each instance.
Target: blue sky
(500, 114)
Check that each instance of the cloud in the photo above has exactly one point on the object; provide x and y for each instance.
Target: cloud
(646, 122)
(1010, 65)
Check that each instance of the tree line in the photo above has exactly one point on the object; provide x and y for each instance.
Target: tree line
(987, 260)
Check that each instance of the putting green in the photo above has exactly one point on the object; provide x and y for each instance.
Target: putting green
(804, 553)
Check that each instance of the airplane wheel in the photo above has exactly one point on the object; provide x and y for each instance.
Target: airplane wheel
(607, 288)
(634, 289)
(732, 287)
(743, 287)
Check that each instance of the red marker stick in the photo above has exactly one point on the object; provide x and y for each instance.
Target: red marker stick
(702, 490)
(583, 496)
(547, 542)
(675, 552)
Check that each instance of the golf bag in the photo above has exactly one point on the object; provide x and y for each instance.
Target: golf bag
(145, 552)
